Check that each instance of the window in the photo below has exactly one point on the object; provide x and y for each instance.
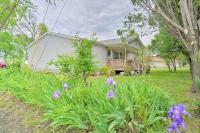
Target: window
(115, 55)
(118, 55)
(121, 55)
(109, 53)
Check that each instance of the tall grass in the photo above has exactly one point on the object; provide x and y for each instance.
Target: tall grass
(137, 107)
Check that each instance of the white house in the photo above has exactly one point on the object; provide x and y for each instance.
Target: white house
(158, 62)
(108, 52)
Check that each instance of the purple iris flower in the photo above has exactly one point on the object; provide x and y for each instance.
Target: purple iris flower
(110, 94)
(176, 114)
(56, 94)
(173, 127)
(65, 86)
(170, 113)
(110, 80)
(182, 109)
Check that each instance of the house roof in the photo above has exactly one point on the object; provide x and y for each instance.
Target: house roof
(50, 33)
(116, 41)
(103, 42)
(156, 59)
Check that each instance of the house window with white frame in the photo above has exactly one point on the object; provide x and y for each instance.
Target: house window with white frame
(118, 55)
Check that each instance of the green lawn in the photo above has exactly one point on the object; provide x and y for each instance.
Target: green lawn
(177, 84)
(137, 94)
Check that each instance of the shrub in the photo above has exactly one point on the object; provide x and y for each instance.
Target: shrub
(147, 69)
(84, 59)
(80, 66)
(65, 63)
(197, 105)
(127, 71)
(108, 71)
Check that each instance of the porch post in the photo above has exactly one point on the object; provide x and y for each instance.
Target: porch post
(125, 55)
(111, 53)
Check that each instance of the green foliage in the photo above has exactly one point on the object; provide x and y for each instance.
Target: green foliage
(11, 11)
(126, 33)
(84, 58)
(108, 71)
(197, 104)
(127, 70)
(66, 64)
(81, 65)
(144, 58)
(6, 43)
(12, 47)
(198, 83)
(133, 108)
(42, 29)
(168, 47)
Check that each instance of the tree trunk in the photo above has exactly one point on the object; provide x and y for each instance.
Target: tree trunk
(195, 66)
(174, 64)
(168, 65)
(190, 64)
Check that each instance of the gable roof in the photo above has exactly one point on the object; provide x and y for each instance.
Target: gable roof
(103, 42)
(49, 33)
(115, 41)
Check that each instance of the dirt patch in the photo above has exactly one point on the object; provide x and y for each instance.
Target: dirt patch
(17, 117)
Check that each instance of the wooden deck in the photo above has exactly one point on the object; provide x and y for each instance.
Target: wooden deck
(120, 64)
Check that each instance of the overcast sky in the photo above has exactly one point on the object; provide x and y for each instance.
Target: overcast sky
(103, 17)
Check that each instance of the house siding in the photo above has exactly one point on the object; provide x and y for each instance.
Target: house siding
(50, 47)
(100, 55)
(131, 56)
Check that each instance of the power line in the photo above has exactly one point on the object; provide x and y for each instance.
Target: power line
(46, 11)
(51, 30)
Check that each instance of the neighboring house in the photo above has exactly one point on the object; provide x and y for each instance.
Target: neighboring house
(108, 52)
(158, 62)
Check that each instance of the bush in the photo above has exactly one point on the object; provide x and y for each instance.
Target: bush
(108, 71)
(133, 109)
(127, 71)
(197, 109)
(147, 69)
(65, 63)
(81, 65)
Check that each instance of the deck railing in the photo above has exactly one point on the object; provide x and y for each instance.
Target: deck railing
(120, 64)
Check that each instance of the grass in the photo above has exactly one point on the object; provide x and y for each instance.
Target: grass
(140, 104)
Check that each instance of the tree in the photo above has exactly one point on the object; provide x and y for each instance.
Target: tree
(168, 47)
(144, 55)
(42, 29)
(12, 47)
(11, 11)
(6, 44)
(28, 25)
(84, 57)
(181, 18)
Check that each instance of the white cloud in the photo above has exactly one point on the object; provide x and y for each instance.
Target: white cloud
(86, 16)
